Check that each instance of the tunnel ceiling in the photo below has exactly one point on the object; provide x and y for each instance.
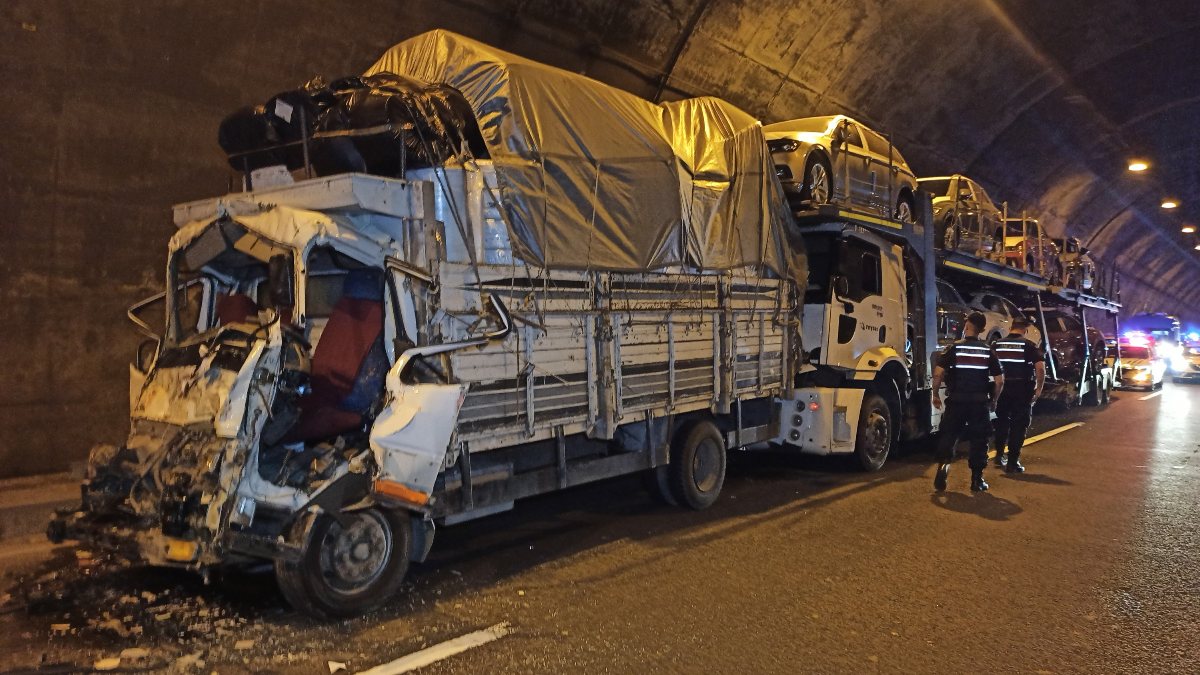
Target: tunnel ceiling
(1042, 102)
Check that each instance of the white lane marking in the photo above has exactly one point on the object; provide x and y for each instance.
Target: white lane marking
(1053, 432)
(440, 651)
(1147, 397)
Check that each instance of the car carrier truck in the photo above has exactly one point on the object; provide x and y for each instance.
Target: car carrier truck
(501, 280)
(870, 328)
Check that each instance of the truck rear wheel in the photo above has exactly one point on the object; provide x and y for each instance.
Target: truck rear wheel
(348, 570)
(874, 439)
(697, 468)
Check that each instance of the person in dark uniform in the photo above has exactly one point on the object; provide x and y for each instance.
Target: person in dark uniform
(1024, 374)
(974, 379)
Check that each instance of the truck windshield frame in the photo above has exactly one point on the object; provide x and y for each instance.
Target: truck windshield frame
(227, 260)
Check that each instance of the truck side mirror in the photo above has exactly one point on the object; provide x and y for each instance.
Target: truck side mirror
(143, 360)
(841, 286)
(280, 282)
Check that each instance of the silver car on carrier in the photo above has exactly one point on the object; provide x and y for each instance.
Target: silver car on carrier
(836, 160)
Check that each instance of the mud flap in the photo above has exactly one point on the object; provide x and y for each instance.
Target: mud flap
(412, 433)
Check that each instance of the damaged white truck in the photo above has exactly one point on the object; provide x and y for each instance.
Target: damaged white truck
(459, 280)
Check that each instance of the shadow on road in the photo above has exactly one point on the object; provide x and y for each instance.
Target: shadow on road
(984, 504)
(1039, 478)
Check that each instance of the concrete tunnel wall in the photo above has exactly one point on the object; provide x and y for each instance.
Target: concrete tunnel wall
(112, 110)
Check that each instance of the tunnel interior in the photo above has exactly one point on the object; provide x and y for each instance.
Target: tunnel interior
(113, 110)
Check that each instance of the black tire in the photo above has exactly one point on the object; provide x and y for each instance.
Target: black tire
(697, 469)
(806, 193)
(333, 579)
(875, 433)
(658, 485)
(992, 338)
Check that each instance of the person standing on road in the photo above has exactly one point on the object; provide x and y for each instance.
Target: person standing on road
(974, 379)
(1024, 374)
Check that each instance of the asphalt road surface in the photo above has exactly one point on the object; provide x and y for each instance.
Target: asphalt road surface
(1089, 562)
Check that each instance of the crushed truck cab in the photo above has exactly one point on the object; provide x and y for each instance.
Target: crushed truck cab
(279, 339)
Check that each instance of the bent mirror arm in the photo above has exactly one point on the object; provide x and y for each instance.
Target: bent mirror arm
(501, 332)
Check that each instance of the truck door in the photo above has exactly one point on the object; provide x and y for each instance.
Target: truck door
(857, 317)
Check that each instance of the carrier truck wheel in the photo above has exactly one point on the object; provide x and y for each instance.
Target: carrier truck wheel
(874, 438)
(351, 569)
(697, 469)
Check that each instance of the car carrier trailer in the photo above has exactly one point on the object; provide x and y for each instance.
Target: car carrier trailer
(869, 327)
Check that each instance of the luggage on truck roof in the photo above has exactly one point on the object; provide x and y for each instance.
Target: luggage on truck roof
(589, 176)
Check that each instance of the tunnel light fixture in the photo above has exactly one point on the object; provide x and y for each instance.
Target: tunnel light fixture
(1169, 204)
(1188, 229)
(1138, 165)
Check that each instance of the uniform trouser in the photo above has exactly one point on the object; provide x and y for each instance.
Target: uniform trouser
(965, 421)
(1013, 412)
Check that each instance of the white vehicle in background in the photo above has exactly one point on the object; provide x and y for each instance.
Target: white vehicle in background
(1142, 365)
(1000, 312)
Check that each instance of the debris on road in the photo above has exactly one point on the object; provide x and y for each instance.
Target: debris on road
(107, 664)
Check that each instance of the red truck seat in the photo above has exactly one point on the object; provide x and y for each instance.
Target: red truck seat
(235, 308)
(345, 357)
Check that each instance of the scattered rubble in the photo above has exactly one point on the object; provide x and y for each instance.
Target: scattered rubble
(107, 664)
(135, 654)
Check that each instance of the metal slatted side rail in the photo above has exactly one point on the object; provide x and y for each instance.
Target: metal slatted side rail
(591, 351)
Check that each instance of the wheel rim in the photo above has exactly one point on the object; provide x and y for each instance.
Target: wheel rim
(904, 212)
(818, 183)
(706, 465)
(876, 434)
(354, 557)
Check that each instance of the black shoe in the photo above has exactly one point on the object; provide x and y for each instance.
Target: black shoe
(1001, 460)
(1015, 467)
(939, 479)
(978, 484)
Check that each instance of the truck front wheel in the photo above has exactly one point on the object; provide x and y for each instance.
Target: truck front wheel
(874, 438)
(697, 467)
(350, 567)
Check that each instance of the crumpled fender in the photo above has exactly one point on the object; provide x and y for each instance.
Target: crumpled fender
(412, 433)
